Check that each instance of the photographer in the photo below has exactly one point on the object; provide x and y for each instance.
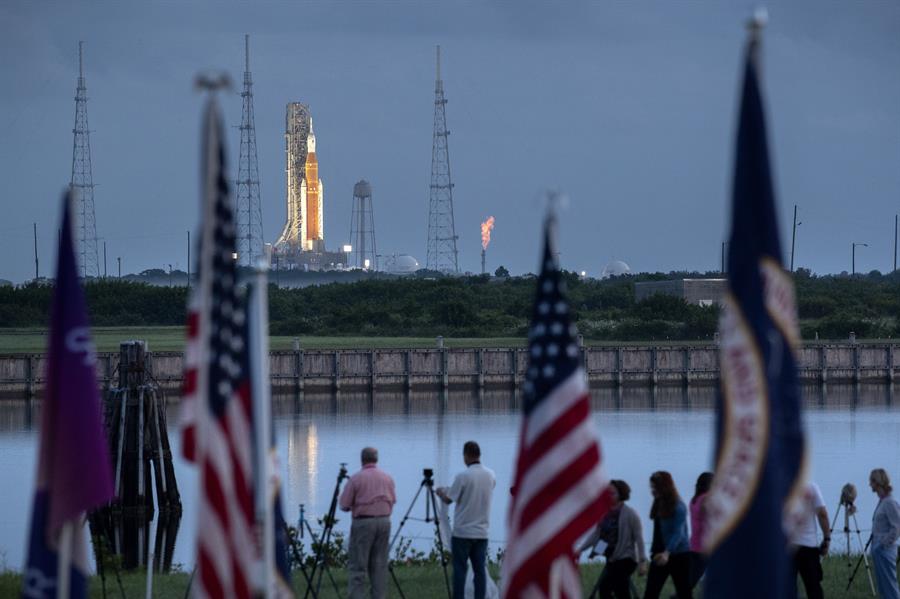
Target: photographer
(808, 553)
(471, 491)
(370, 496)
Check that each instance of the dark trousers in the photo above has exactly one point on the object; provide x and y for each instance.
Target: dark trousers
(615, 580)
(698, 567)
(809, 566)
(679, 568)
(464, 551)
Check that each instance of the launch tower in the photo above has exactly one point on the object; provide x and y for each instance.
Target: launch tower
(82, 181)
(304, 228)
(442, 254)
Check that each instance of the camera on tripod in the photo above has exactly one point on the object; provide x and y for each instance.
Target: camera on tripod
(342, 473)
(431, 515)
(848, 496)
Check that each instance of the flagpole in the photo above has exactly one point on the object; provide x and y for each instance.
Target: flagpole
(262, 420)
(64, 565)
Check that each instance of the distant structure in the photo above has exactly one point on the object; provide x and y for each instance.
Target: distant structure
(701, 292)
(441, 254)
(82, 181)
(302, 240)
(249, 206)
(615, 268)
(400, 264)
(362, 228)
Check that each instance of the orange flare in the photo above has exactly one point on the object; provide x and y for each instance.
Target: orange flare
(486, 228)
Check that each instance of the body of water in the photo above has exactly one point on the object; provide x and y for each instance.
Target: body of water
(850, 431)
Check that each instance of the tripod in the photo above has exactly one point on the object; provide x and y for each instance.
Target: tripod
(298, 556)
(850, 512)
(321, 554)
(431, 513)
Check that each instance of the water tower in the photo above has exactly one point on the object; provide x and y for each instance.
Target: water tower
(362, 228)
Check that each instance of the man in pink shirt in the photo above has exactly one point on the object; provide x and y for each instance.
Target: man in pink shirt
(369, 495)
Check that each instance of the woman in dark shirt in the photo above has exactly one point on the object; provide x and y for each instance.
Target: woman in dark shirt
(670, 550)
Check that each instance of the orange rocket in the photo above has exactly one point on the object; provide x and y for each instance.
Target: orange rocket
(312, 198)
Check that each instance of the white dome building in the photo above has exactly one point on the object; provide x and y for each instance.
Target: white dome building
(400, 264)
(615, 268)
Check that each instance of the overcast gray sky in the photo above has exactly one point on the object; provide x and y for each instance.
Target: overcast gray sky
(627, 108)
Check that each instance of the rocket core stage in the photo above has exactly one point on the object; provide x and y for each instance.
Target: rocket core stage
(303, 228)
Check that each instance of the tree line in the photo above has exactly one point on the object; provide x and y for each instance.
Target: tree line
(830, 307)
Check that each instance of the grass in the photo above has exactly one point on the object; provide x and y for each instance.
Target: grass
(418, 581)
(34, 340)
(26, 340)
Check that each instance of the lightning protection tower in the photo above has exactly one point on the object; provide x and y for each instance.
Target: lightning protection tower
(82, 181)
(442, 254)
(362, 228)
(249, 208)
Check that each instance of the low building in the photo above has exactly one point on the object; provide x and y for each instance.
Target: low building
(700, 292)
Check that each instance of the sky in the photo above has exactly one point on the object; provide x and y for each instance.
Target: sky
(629, 109)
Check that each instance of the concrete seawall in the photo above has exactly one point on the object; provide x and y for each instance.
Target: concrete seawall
(329, 370)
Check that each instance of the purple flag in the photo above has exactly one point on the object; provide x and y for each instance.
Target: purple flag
(74, 473)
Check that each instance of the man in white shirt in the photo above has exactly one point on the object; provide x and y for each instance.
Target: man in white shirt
(471, 492)
(808, 554)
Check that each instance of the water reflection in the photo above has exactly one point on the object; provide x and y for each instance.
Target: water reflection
(303, 461)
(851, 430)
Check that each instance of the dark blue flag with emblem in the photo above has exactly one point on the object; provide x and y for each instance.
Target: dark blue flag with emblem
(559, 480)
(760, 451)
(74, 474)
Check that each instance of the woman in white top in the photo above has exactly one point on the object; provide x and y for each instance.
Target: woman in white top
(885, 535)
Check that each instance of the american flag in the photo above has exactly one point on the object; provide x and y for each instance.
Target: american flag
(559, 482)
(217, 419)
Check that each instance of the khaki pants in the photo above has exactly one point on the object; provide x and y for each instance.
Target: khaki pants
(368, 554)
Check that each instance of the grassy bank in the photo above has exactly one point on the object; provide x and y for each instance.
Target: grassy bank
(34, 340)
(28, 340)
(419, 581)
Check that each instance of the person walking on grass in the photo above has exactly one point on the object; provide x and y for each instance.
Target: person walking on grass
(471, 492)
(623, 534)
(670, 549)
(808, 550)
(370, 496)
(885, 535)
(698, 527)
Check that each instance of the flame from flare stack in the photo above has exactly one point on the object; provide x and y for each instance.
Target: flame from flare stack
(486, 228)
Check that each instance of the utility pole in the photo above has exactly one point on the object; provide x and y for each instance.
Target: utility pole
(793, 237)
(723, 258)
(37, 270)
(104, 258)
(120, 266)
(895, 242)
(189, 259)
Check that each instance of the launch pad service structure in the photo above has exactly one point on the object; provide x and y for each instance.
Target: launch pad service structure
(301, 244)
